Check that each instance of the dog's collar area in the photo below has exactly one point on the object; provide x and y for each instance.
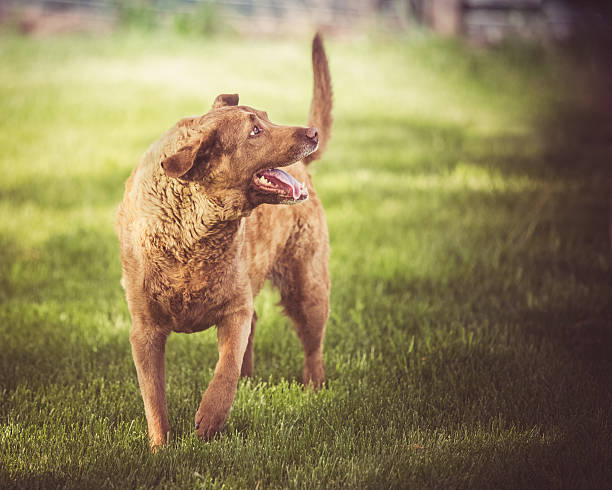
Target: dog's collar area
(278, 182)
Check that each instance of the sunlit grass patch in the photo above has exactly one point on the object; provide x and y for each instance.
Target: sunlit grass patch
(463, 177)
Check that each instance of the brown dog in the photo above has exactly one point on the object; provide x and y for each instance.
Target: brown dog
(204, 223)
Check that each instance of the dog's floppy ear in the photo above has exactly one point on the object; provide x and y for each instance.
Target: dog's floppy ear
(224, 100)
(182, 163)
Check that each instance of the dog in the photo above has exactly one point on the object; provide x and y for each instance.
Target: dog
(207, 216)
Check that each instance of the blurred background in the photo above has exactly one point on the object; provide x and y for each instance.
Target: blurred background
(479, 21)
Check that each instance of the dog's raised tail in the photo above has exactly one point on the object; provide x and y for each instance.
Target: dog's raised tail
(321, 106)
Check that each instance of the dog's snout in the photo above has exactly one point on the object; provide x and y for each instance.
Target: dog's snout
(313, 134)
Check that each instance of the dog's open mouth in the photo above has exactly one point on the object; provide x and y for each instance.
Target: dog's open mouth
(280, 184)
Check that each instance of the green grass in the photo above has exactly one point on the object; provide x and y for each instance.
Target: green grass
(467, 198)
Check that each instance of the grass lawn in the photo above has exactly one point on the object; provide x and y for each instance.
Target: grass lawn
(470, 338)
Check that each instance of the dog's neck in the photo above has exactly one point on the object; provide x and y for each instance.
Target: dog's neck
(193, 225)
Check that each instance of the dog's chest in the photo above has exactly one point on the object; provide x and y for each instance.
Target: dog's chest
(191, 310)
(189, 283)
(191, 297)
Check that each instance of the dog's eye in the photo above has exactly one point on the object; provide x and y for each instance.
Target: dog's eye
(255, 131)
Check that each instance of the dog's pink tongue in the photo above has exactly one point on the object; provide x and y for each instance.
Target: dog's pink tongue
(278, 175)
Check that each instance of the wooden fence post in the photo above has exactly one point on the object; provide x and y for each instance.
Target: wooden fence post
(444, 16)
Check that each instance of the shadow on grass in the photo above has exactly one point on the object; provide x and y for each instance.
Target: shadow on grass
(58, 300)
(576, 138)
(557, 372)
(80, 265)
(45, 480)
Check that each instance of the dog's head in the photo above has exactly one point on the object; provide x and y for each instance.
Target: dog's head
(234, 153)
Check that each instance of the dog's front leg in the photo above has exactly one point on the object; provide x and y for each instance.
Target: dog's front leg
(232, 337)
(148, 348)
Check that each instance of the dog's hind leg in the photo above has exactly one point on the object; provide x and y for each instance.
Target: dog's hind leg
(305, 297)
(247, 361)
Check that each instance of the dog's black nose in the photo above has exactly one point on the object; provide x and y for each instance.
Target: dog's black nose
(312, 133)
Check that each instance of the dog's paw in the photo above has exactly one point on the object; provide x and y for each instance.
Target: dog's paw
(314, 377)
(157, 446)
(215, 405)
(159, 441)
(211, 414)
(208, 424)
